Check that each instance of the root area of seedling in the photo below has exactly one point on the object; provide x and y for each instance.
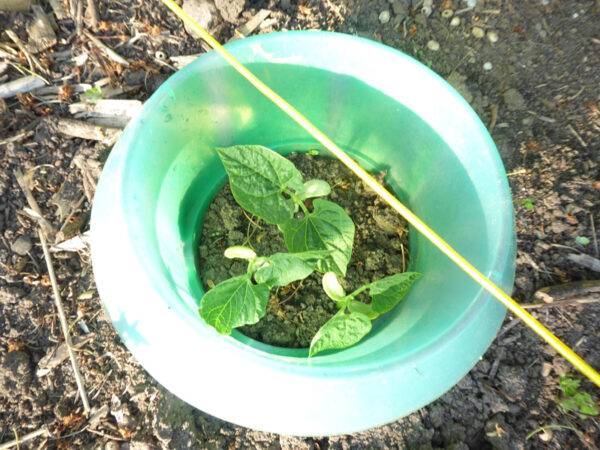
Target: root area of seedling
(295, 312)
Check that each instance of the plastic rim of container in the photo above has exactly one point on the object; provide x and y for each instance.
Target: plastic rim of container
(145, 276)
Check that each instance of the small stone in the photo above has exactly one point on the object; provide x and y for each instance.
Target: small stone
(492, 36)
(514, 100)
(230, 9)
(202, 11)
(400, 8)
(447, 13)
(111, 445)
(455, 22)
(21, 246)
(487, 66)
(546, 369)
(477, 32)
(384, 17)
(434, 46)
(527, 121)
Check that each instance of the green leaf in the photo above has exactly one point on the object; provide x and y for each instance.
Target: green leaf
(341, 331)
(587, 406)
(328, 227)
(314, 188)
(359, 307)
(257, 177)
(233, 303)
(568, 384)
(283, 268)
(387, 292)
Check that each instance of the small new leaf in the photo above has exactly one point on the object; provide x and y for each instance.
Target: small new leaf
(233, 303)
(284, 268)
(328, 227)
(314, 188)
(257, 177)
(387, 292)
(359, 307)
(341, 331)
(332, 287)
(239, 251)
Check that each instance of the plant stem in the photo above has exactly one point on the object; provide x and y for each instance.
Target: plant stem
(546, 427)
(356, 292)
(297, 200)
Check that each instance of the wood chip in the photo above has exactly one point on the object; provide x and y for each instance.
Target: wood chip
(84, 130)
(40, 31)
(15, 5)
(20, 86)
(586, 261)
(114, 113)
(247, 29)
(59, 11)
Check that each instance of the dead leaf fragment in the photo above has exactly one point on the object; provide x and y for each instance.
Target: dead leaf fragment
(65, 92)
(532, 146)
(73, 421)
(54, 359)
(15, 346)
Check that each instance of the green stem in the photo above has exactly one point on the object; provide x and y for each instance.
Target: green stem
(534, 432)
(294, 197)
(358, 291)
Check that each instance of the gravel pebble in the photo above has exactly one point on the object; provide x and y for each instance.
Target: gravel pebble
(492, 36)
(21, 246)
(384, 17)
(478, 32)
(434, 46)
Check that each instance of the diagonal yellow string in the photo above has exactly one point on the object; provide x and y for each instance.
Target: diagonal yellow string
(506, 300)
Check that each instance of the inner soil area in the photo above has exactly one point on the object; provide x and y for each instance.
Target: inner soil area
(295, 312)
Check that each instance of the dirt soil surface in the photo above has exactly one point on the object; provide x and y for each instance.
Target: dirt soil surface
(531, 70)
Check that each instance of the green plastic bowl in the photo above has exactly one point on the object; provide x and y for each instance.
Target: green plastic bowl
(389, 112)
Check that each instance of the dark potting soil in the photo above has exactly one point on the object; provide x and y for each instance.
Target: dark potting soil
(295, 312)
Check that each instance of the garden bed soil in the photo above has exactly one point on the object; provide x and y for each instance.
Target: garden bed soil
(295, 312)
(535, 87)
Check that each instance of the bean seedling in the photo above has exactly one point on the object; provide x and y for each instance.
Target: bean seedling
(320, 238)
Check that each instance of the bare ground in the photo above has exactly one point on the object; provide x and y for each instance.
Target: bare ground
(537, 87)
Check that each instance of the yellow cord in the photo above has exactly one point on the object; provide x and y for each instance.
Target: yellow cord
(507, 301)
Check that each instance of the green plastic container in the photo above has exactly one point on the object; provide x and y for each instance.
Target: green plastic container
(386, 110)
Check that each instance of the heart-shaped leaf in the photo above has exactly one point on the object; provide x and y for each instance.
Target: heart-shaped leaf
(258, 176)
(283, 268)
(341, 331)
(233, 303)
(328, 227)
(387, 292)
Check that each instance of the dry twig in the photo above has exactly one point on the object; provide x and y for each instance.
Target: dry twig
(93, 12)
(31, 59)
(59, 307)
(109, 51)
(84, 130)
(27, 437)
